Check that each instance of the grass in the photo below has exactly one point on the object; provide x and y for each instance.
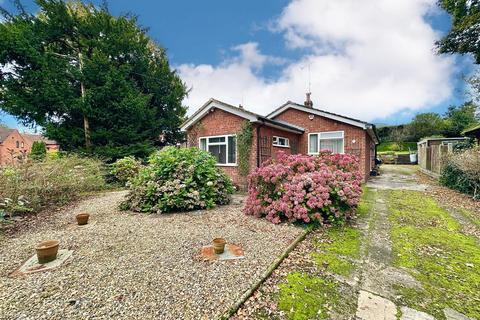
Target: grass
(334, 264)
(428, 242)
(366, 203)
(473, 218)
(342, 244)
(307, 297)
(396, 147)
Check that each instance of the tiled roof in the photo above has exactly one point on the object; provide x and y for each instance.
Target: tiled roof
(241, 112)
(4, 133)
(38, 137)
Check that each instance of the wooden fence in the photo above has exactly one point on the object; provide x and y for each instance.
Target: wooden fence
(430, 157)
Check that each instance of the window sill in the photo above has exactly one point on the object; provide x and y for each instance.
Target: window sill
(226, 164)
(278, 146)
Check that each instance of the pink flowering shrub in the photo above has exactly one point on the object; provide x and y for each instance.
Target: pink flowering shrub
(323, 188)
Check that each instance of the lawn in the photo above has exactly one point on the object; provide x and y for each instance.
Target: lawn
(429, 243)
(396, 147)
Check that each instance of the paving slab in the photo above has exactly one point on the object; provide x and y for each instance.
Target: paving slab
(232, 252)
(373, 307)
(412, 314)
(32, 265)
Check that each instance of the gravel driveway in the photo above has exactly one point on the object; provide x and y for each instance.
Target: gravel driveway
(128, 265)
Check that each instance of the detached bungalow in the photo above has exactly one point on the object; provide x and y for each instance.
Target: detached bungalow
(292, 128)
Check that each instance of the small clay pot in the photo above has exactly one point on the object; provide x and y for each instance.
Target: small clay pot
(219, 245)
(47, 251)
(82, 218)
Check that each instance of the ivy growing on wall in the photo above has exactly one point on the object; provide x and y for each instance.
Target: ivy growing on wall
(244, 144)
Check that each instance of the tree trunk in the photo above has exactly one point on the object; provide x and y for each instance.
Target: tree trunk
(86, 123)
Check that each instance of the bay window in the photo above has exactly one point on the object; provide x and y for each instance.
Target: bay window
(223, 148)
(331, 140)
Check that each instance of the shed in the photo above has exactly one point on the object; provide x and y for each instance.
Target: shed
(473, 133)
(431, 151)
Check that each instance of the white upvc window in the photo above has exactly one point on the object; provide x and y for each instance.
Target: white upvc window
(330, 140)
(223, 148)
(281, 142)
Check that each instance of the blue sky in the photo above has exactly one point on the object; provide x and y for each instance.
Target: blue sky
(258, 55)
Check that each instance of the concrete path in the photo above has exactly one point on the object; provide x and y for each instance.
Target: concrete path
(396, 177)
(378, 276)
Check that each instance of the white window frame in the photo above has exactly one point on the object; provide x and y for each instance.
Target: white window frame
(319, 138)
(228, 164)
(276, 143)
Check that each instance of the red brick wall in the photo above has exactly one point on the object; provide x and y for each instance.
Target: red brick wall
(219, 122)
(10, 143)
(356, 140)
(270, 132)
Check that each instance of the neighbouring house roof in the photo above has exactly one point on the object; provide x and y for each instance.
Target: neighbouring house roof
(38, 137)
(4, 133)
(472, 130)
(371, 129)
(241, 112)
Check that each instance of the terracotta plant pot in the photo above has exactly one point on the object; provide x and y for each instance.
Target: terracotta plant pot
(82, 218)
(47, 251)
(219, 245)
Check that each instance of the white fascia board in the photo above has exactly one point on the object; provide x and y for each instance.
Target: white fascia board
(318, 113)
(216, 104)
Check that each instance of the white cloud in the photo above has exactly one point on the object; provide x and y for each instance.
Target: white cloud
(368, 59)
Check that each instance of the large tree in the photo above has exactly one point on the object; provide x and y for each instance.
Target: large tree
(464, 36)
(459, 118)
(425, 125)
(93, 81)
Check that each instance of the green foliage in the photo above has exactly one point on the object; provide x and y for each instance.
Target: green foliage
(426, 124)
(398, 133)
(178, 179)
(33, 185)
(459, 118)
(131, 94)
(244, 145)
(428, 241)
(125, 169)
(39, 150)
(463, 37)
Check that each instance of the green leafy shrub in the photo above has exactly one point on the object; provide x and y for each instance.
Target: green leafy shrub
(244, 142)
(39, 150)
(178, 179)
(125, 169)
(461, 172)
(33, 185)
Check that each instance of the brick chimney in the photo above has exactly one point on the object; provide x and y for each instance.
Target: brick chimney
(308, 103)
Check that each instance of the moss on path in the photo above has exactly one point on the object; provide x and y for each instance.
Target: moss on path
(429, 243)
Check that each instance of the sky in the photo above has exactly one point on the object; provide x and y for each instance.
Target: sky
(373, 59)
